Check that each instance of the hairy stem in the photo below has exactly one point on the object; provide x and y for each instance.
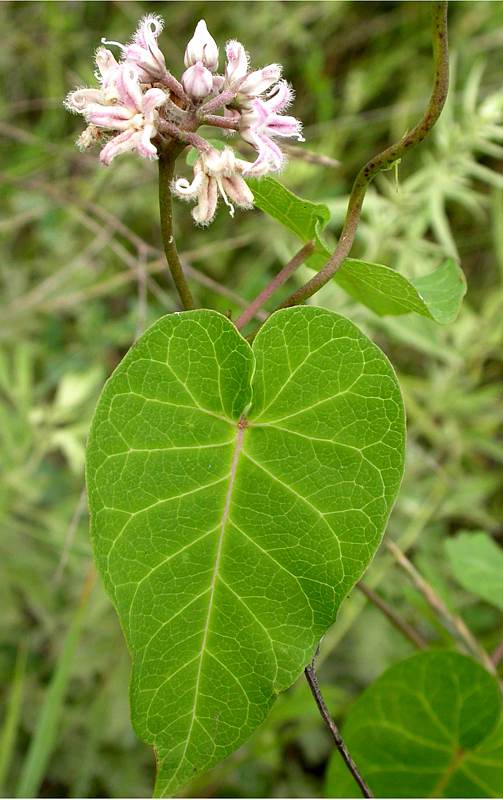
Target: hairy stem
(276, 282)
(386, 159)
(167, 158)
(219, 122)
(407, 630)
(312, 680)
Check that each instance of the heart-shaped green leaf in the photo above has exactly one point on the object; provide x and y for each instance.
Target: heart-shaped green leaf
(237, 493)
(385, 291)
(426, 728)
(477, 563)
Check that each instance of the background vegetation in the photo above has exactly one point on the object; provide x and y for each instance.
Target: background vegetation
(81, 275)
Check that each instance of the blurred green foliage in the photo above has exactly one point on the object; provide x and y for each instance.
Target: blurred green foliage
(78, 244)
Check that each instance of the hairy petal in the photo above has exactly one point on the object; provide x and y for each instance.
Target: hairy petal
(144, 52)
(113, 117)
(238, 191)
(237, 62)
(119, 144)
(152, 99)
(259, 81)
(128, 86)
(80, 99)
(143, 144)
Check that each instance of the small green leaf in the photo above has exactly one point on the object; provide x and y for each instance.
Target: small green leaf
(383, 290)
(304, 218)
(237, 493)
(477, 564)
(426, 728)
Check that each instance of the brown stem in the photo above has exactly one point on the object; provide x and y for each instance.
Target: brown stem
(181, 135)
(167, 158)
(173, 85)
(450, 621)
(276, 282)
(497, 656)
(407, 630)
(219, 122)
(312, 680)
(386, 159)
(221, 100)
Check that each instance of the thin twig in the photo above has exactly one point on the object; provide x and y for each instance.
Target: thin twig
(312, 680)
(141, 269)
(274, 285)
(167, 159)
(407, 630)
(497, 656)
(450, 621)
(310, 156)
(386, 159)
(70, 535)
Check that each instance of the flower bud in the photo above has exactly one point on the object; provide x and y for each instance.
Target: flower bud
(237, 62)
(202, 47)
(197, 81)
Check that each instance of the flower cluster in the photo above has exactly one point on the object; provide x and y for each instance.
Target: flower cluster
(139, 105)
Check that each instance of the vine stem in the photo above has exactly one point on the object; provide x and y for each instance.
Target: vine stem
(386, 159)
(450, 621)
(407, 630)
(312, 680)
(276, 282)
(167, 158)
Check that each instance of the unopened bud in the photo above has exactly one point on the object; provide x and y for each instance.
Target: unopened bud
(237, 62)
(202, 47)
(197, 81)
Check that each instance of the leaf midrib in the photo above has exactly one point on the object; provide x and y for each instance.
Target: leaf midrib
(238, 445)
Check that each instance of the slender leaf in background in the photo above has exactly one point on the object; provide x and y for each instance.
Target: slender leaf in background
(477, 564)
(428, 727)
(46, 730)
(237, 493)
(437, 295)
(12, 715)
(380, 288)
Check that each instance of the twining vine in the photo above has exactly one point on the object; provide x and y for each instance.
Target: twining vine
(140, 106)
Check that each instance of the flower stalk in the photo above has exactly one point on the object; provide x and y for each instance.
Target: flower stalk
(167, 158)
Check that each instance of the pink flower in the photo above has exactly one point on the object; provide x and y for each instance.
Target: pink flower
(107, 73)
(215, 173)
(143, 51)
(264, 121)
(133, 116)
(258, 82)
(202, 47)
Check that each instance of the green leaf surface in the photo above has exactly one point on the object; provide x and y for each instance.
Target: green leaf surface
(302, 217)
(437, 295)
(428, 727)
(237, 493)
(477, 564)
